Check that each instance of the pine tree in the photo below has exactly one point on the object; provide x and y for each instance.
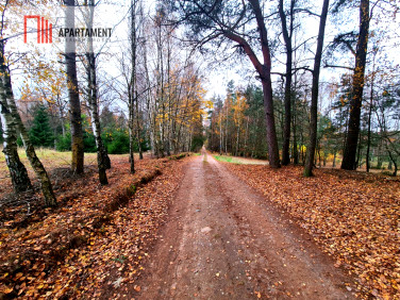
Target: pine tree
(41, 133)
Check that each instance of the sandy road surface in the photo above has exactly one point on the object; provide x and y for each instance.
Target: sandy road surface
(224, 241)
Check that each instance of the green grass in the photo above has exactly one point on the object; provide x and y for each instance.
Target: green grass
(228, 159)
(240, 160)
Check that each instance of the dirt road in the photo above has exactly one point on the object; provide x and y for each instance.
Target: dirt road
(224, 241)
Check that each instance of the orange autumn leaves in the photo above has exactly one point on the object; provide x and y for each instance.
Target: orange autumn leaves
(88, 247)
(355, 217)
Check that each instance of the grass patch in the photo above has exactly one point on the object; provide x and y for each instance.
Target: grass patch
(240, 160)
(228, 159)
(51, 158)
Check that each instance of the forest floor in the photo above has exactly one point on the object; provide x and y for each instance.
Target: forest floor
(97, 238)
(353, 216)
(198, 228)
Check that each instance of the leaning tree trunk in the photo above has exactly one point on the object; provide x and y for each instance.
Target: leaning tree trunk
(264, 71)
(350, 151)
(77, 146)
(8, 104)
(314, 96)
(19, 176)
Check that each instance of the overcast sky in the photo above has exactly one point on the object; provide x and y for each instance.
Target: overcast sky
(217, 76)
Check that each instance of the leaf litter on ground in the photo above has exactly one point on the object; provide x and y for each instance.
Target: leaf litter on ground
(96, 242)
(355, 217)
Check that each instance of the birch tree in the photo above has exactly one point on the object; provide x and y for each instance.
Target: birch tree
(12, 123)
(18, 172)
(103, 161)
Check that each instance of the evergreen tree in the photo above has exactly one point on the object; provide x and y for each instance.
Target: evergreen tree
(41, 133)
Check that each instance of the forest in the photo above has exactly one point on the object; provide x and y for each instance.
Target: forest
(310, 88)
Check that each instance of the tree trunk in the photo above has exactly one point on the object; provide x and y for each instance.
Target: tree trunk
(226, 135)
(264, 71)
(334, 160)
(359, 147)
(149, 98)
(371, 102)
(131, 133)
(102, 156)
(273, 151)
(131, 152)
(314, 96)
(19, 176)
(394, 162)
(220, 133)
(131, 86)
(295, 149)
(237, 140)
(367, 157)
(41, 173)
(138, 129)
(103, 161)
(77, 146)
(350, 151)
(287, 36)
(11, 118)
(246, 137)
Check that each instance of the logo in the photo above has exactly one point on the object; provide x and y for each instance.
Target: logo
(44, 29)
(71, 29)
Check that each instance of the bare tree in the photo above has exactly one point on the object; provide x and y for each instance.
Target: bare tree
(314, 93)
(287, 32)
